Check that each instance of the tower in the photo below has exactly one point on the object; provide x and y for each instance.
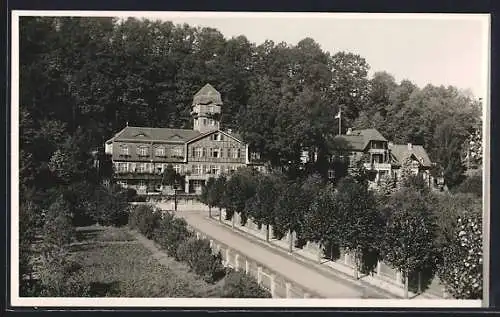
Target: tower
(206, 109)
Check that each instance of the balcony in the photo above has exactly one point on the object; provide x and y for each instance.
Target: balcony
(377, 166)
(377, 150)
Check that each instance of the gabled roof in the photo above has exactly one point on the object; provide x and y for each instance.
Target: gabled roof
(233, 135)
(154, 134)
(401, 152)
(207, 95)
(357, 140)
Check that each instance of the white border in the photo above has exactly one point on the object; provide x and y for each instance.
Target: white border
(200, 302)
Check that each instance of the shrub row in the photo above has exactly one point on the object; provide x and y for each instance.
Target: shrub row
(178, 241)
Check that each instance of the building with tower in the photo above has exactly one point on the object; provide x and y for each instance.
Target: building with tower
(141, 154)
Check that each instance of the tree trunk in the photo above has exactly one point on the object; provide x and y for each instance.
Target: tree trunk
(209, 212)
(232, 219)
(419, 283)
(267, 232)
(356, 265)
(291, 240)
(220, 214)
(406, 285)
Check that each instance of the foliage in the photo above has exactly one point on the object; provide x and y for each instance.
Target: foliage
(198, 255)
(261, 206)
(461, 270)
(208, 193)
(239, 188)
(359, 224)
(472, 184)
(60, 276)
(145, 219)
(239, 285)
(409, 232)
(171, 232)
(58, 229)
(289, 209)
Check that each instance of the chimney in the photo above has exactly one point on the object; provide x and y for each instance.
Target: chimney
(410, 146)
(349, 131)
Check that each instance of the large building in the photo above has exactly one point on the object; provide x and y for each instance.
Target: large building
(141, 154)
(384, 157)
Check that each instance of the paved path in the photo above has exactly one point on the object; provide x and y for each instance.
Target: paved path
(288, 268)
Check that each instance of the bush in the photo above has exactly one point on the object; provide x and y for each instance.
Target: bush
(239, 285)
(198, 255)
(145, 219)
(58, 230)
(170, 233)
(61, 277)
(472, 184)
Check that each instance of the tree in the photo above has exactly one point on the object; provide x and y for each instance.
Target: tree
(261, 207)
(359, 223)
(208, 195)
(321, 221)
(409, 233)
(290, 208)
(240, 187)
(219, 193)
(461, 271)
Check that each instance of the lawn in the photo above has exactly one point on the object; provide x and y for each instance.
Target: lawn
(115, 264)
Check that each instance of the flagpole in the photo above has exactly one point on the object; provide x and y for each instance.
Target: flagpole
(340, 121)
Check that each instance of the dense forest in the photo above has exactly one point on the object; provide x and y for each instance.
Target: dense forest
(84, 79)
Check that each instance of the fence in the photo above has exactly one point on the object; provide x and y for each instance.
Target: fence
(272, 281)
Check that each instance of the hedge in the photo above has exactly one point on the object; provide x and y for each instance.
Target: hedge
(172, 235)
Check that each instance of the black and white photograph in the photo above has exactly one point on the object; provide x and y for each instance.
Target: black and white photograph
(249, 159)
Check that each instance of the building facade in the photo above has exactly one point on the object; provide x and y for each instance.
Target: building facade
(140, 155)
(383, 157)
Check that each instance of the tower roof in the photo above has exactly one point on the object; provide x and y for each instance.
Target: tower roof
(207, 95)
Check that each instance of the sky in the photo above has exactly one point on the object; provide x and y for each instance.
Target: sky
(436, 49)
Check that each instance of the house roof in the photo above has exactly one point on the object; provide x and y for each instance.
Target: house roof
(164, 135)
(359, 139)
(154, 134)
(401, 152)
(207, 95)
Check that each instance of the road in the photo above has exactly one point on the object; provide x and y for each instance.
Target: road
(297, 272)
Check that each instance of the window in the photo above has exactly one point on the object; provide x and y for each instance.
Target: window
(142, 151)
(331, 174)
(210, 108)
(160, 151)
(159, 169)
(214, 169)
(124, 150)
(214, 153)
(198, 152)
(177, 169)
(255, 156)
(236, 153)
(197, 169)
(122, 167)
(141, 167)
(122, 183)
(176, 152)
(211, 122)
(204, 121)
